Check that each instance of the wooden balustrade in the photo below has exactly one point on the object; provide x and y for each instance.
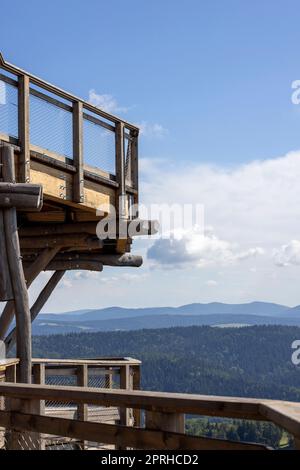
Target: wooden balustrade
(164, 412)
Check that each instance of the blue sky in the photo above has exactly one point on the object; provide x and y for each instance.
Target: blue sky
(216, 74)
(210, 81)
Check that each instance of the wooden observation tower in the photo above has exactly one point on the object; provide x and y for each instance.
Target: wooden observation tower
(60, 159)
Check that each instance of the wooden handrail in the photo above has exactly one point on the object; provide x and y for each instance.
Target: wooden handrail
(282, 413)
(230, 407)
(63, 94)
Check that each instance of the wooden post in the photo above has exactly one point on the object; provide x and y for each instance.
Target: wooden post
(6, 290)
(78, 186)
(11, 374)
(82, 381)
(23, 121)
(109, 378)
(37, 306)
(21, 300)
(134, 164)
(39, 377)
(23, 440)
(120, 171)
(173, 422)
(297, 443)
(136, 385)
(125, 385)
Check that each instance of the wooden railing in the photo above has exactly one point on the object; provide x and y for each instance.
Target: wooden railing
(122, 173)
(163, 416)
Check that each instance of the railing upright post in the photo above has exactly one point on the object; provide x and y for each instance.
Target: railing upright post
(39, 377)
(11, 373)
(135, 164)
(78, 182)
(82, 381)
(136, 385)
(120, 172)
(23, 128)
(172, 422)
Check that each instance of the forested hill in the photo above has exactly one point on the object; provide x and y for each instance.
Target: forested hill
(251, 361)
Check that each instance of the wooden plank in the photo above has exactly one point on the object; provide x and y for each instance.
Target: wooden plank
(98, 122)
(52, 240)
(231, 407)
(23, 123)
(58, 229)
(78, 184)
(118, 435)
(50, 99)
(97, 362)
(284, 414)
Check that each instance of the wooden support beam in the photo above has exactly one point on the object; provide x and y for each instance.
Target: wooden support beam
(78, 181)
(126, 260)
(58, 229)
(37, 306)
(23, 124)
(69, 265)
(6, 290)
(65, 240)
(24, 197)
(31, 272)
(21, 300)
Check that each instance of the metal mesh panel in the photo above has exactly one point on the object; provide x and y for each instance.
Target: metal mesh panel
(98, 146)
(66, 380)
(8, 109)
(50, 127)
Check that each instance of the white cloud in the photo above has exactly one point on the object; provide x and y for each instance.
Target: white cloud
(288, 254)
(152, 130)
(124, 277)
(256, 204)
(195, 248)
(211, 283)
(106, 102)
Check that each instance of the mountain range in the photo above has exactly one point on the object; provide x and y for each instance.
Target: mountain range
(213, 314)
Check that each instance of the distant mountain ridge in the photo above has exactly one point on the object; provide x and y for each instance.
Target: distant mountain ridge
(124, 319)
(252, 308)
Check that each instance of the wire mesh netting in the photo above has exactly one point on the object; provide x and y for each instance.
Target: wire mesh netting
(8, 109)
(51, 127)
(98, 146)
